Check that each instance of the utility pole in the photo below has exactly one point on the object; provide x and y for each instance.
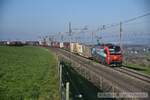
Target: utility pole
(121, 35)
(70, 31)
(67, 91)
(92, 38)
(62, 38)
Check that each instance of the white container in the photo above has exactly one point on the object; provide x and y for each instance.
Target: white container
(40, 43)
(79, 49)
(8, 43)
(71, 47)
(61, 44)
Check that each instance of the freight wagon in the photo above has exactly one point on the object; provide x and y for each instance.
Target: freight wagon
(74, 47)
(55, 44)
(61, 45)
(66, 46)
(86, 51)
(79, 48)
(16, 43)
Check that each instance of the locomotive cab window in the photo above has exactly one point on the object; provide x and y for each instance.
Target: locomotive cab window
(114, 50)
(117, 49)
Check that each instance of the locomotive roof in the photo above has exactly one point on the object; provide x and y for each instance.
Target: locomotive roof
(108, 44)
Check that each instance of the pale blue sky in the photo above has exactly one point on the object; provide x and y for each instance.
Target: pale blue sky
(27, 19)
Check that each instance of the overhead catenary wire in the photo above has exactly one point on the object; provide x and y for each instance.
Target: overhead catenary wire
(123, 22)
(109, 26)
(105, 27)
(135, 18)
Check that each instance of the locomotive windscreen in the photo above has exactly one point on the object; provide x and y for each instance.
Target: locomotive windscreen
(114, 49)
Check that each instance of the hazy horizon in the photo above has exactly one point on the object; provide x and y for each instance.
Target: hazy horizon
(29, 19)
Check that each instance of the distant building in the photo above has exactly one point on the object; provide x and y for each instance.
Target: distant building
(32, 43)
(15, 43)
(3, 42)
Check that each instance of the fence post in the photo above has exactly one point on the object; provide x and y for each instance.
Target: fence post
(67, 91)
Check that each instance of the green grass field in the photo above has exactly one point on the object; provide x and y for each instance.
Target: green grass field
(28, 73)
(145, 70)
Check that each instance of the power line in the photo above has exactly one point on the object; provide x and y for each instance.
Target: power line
(104, 27)
(138, 17)
(124, 22)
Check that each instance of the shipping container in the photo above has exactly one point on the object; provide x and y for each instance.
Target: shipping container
(71, 47)
(74, 47)
(61, 45)
(79, 49)
(66, 46)
(86, 51)
(55, 44)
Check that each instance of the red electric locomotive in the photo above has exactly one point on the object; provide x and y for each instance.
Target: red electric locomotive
(108, 54)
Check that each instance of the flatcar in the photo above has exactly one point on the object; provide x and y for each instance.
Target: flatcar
(86, 51)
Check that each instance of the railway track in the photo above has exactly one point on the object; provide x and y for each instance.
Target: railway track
(129, 81)
(131, 73)
(135, 74)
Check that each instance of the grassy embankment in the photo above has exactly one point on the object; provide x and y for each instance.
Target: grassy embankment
(142, 69)
(140, 65)
(28, 73)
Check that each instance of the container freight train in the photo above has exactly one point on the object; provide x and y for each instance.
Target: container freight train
(108, 54)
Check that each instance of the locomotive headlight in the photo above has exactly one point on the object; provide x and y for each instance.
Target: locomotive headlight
(115, 57)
